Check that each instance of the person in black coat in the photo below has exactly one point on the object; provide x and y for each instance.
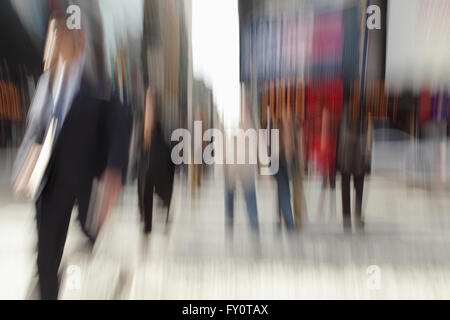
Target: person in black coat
(353, 160)
(157, 170)
(92, 141)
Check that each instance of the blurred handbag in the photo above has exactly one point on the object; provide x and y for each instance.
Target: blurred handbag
(31, 159)
(44, 116)
(32, 171)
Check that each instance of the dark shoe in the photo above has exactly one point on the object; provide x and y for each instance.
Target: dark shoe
(147, 229)
(347, 225)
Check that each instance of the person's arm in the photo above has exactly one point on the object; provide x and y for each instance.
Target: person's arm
(324, 134)
(148, 119)
(35, 125)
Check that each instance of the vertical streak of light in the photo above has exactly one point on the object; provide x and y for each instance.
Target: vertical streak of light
(215, 49)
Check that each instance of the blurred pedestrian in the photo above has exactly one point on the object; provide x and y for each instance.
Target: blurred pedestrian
(297, 169)
(157, 170)
(286, 159)
(326, 154)
(90, 140)
(353, 161)
(245, 174)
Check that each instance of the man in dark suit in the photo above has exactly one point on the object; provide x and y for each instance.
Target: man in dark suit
(92, 140)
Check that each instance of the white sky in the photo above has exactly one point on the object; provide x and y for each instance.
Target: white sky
(215, 51)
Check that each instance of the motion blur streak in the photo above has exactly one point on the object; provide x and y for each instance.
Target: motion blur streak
(357, 91)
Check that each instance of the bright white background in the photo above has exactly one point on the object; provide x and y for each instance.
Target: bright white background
(215, 50)
(418, 44)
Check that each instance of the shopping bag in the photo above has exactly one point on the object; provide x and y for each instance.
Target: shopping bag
(36, 162)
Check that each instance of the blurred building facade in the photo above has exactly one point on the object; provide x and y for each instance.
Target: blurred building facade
(20, 65)
(291, 43)
(307, 55)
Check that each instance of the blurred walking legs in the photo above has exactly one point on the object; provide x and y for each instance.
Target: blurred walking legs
(298, 199)
(358, 182)
(146, 189)
(284, 197)
(83, 209)
(250, 200)
(146, 201)
(329, 180)
(53, 211)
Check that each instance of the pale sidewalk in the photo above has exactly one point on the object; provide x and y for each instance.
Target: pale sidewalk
(407, 237)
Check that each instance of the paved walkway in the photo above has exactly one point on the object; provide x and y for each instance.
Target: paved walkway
(407, 240)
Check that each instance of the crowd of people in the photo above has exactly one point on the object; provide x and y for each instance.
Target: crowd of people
(78, 137)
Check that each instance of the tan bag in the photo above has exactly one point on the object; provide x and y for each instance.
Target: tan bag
(33, 169)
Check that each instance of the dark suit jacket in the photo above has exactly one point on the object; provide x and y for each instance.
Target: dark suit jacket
(95, 135)
(352, 156)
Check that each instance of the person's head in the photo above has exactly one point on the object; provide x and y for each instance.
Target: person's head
(61, 42)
